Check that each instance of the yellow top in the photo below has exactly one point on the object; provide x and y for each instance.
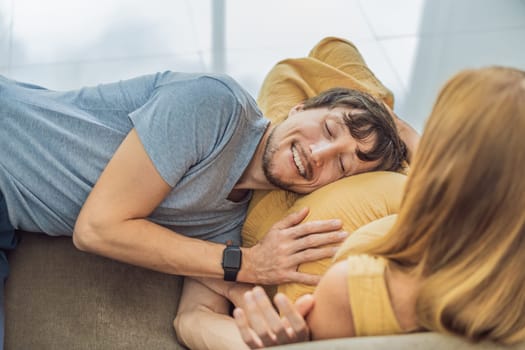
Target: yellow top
(368, 296)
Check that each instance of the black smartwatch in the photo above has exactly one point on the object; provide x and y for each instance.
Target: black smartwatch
(231, 261)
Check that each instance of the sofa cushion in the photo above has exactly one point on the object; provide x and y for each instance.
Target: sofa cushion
(60, 298)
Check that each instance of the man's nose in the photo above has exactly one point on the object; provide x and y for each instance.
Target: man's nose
(322, 151)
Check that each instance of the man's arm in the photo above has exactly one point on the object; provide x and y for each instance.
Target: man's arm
(113, 222)
(408, 134)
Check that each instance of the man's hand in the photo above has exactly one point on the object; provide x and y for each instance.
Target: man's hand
(261, 325)
(288, 244)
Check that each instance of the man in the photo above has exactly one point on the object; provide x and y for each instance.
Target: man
(157, 171)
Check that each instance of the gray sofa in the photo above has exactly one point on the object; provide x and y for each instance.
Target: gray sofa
(60, 298)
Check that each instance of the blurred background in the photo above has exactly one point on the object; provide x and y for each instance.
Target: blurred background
(413, 46)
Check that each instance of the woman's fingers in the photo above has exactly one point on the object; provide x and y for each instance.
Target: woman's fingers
(257, 317)
(298, 326)
(261, 325)
(272, 318)
(247, 334)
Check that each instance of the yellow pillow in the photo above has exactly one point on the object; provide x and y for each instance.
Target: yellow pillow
(356, 200)
(265, 209)
(365, 234)
(333, 62)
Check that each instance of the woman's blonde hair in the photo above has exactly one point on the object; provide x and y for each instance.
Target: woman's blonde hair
(461, 225)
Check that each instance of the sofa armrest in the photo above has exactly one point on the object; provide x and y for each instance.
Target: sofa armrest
(423, 341)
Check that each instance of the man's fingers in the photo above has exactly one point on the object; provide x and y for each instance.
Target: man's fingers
(318, 240)
(289, 243)
(307, 256)
(313, 254)
(292, 219)
(304, 278)
(316, 226)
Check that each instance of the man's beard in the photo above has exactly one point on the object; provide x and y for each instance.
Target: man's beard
(269, 166)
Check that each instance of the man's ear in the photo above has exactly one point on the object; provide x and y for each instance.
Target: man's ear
(297, 108)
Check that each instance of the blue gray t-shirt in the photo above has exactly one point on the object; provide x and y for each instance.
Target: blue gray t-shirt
(199, 130)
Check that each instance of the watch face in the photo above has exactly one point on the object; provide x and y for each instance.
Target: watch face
(232, 258)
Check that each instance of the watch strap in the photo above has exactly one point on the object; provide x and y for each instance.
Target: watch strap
(231, 261)
(230, 274)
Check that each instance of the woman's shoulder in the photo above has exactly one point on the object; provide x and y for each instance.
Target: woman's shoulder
(363, 278)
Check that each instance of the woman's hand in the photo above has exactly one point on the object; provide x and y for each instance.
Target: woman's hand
(261, 325)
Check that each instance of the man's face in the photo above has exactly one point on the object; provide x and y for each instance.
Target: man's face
(312, 148)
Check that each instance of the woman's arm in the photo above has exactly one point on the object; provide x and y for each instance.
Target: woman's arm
(407, 133)
(202, 320)
(232, 291)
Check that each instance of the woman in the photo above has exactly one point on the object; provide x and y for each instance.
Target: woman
(453, 260)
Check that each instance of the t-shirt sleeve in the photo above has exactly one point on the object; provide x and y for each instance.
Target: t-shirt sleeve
(183, 122)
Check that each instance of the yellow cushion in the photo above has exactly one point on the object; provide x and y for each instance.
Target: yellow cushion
(333, 62)
(356, 200)
(373, 230)
(265, 209)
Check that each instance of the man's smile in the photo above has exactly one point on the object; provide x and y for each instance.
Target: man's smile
(298, 162)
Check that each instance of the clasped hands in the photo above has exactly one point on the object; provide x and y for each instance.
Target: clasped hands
(261, 325)
(285, 247)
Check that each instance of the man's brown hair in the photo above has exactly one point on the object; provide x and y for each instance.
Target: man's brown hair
(367, 117)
